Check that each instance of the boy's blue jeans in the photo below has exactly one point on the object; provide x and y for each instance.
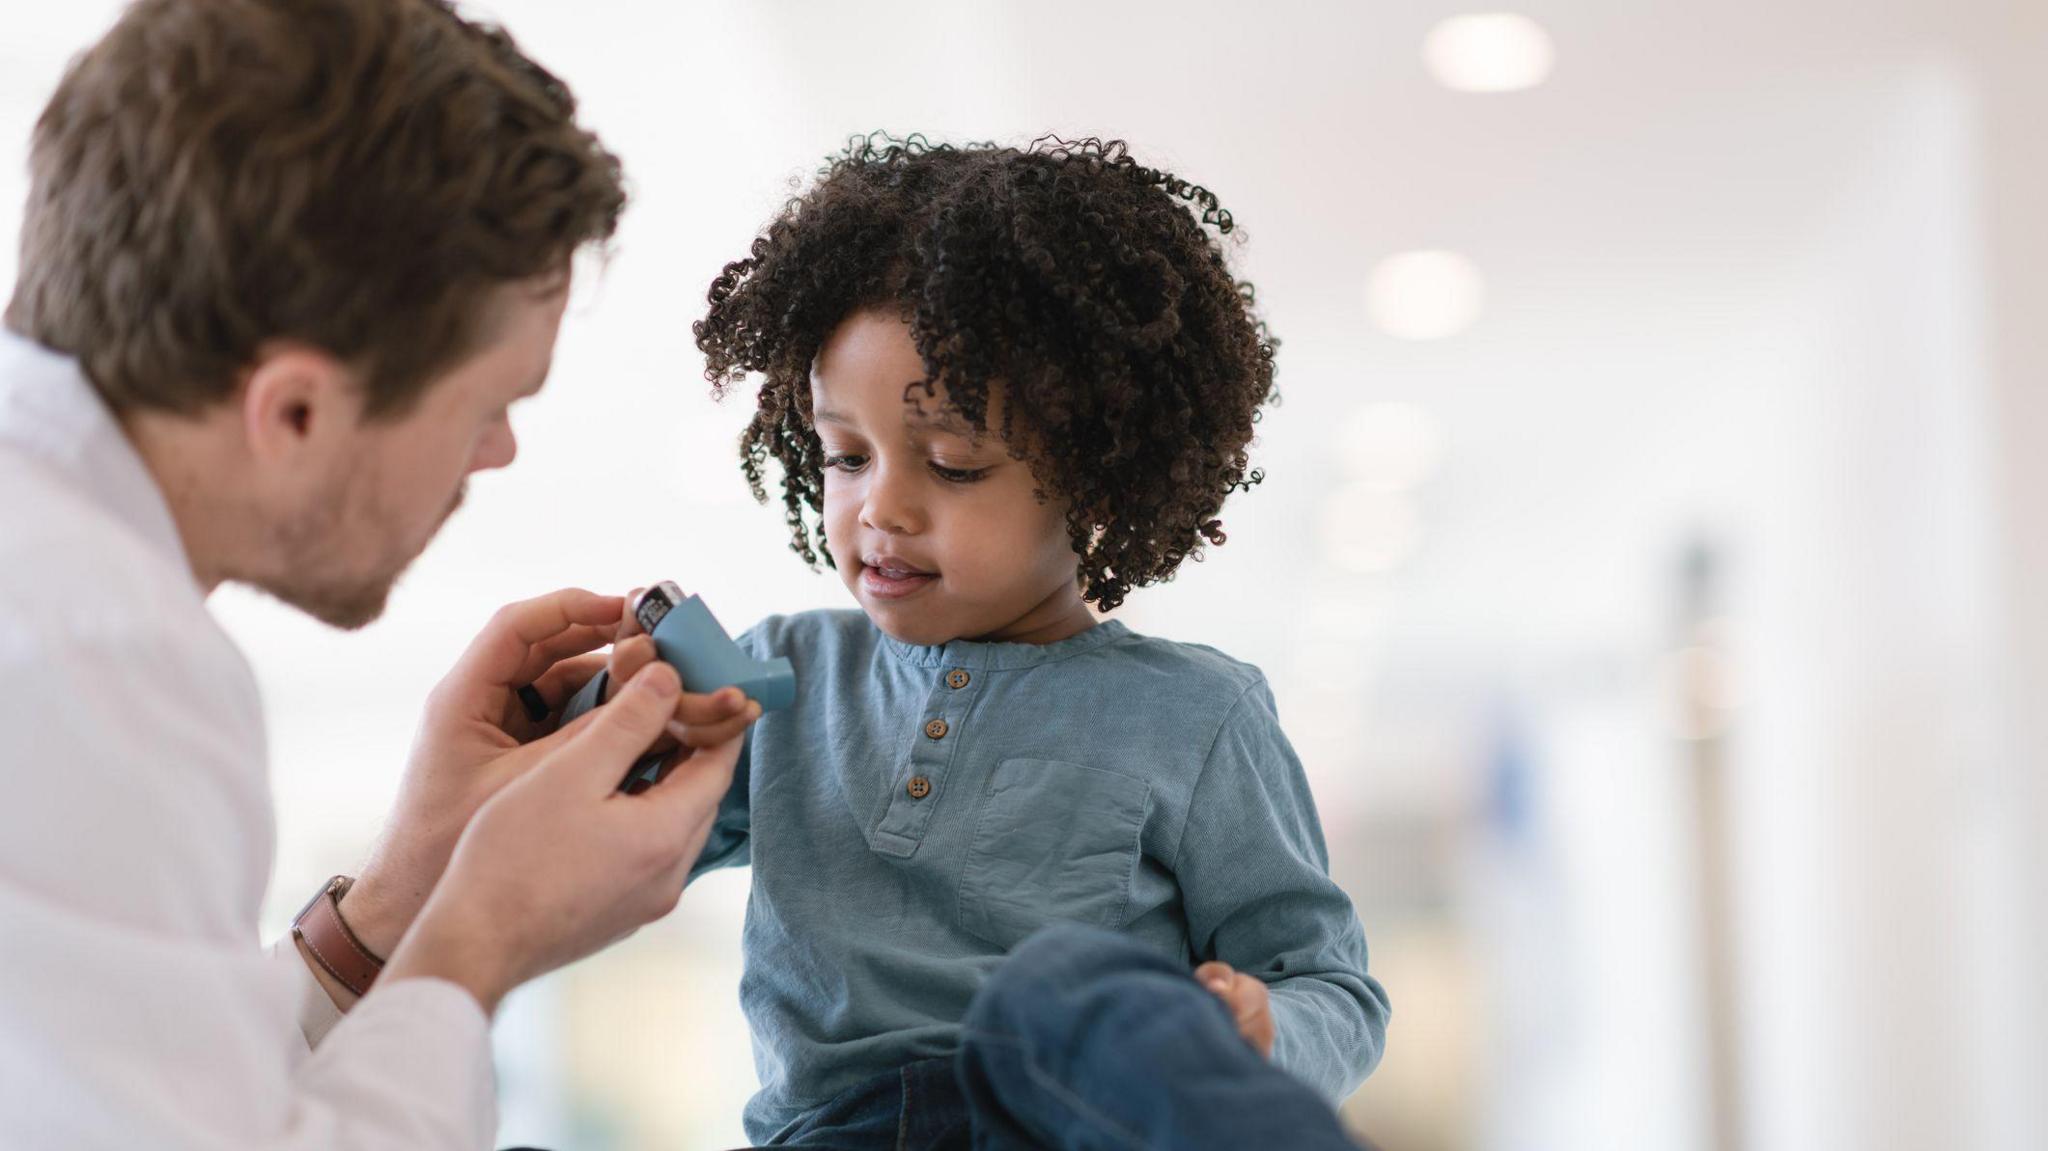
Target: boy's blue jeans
(1084, 1040)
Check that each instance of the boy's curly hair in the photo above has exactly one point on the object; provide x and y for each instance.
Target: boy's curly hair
(1085, 283)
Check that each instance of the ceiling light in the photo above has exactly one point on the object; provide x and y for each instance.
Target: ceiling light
(1489, 52)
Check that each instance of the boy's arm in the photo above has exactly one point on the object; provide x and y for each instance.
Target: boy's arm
(1255, 883)
(729, 843)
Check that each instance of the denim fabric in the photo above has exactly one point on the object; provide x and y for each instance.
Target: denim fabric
(921, 811)
(1088, 1041)
(1083, 1040)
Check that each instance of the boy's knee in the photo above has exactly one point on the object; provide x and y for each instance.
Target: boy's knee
(1075, 993)
(1068, 964)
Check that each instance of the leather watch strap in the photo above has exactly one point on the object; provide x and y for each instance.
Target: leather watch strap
(333, 946)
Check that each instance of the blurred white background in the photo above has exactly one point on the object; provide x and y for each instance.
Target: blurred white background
(1646, 567)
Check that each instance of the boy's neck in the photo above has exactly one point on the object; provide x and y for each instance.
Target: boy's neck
(1062, 615)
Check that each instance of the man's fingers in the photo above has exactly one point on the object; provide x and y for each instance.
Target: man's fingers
(558, 683)
(495, 658)
(627, 659)
(686, 801)
(574, 641)
(629, 623)
(622, 731)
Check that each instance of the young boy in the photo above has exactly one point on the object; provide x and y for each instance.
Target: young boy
(1004, 385)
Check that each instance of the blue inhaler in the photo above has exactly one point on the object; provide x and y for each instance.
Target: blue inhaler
(688, 638)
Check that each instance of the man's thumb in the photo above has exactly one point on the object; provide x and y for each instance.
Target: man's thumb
(621, 731)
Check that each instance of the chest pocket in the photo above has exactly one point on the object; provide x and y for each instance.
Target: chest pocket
(1055, 843)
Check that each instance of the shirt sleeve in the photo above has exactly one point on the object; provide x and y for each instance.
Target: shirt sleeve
(1255, 882)
(317, 1012)
(731, 842)
(137, 1007)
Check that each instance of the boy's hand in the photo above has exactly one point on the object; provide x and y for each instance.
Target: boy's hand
(1246, 997)
(700, 721)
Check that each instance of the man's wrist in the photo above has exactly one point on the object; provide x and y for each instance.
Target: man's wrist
(337, 992)
(374, 915)
(439, 948)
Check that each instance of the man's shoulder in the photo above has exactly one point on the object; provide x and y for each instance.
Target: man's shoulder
(136, 722)
(86, 594)
(75, 571)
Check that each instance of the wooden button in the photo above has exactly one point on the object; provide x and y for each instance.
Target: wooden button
(920, 787)
(936, 729)
(957, 679)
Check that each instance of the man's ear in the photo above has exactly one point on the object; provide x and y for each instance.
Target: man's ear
(293, 397)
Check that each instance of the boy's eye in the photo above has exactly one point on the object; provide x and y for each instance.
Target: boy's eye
(958, 475)
(847, 463)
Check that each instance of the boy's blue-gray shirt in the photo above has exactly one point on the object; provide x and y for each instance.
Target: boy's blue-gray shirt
(921, 810)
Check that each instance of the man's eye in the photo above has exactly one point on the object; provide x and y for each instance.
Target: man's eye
(846, 463)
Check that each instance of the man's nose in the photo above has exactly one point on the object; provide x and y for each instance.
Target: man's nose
(498, 449)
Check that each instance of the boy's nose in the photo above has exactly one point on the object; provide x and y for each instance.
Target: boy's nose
(889, 509)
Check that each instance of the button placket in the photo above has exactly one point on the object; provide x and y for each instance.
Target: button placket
(921, 783)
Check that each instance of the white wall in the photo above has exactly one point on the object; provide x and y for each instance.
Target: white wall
(1866, 763)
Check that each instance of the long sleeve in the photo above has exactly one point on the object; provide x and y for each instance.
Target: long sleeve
(317, 1012)
(137, 1008)
(1254, 874)
(730, 843)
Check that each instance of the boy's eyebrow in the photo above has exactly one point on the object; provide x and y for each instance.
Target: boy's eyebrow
(830, 416)
(946, 421)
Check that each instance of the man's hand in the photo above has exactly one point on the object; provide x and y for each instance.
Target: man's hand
(475, 738)
(1246, 997)
(700, 720)
(559, 863)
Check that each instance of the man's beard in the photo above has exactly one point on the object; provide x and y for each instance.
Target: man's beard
(323, 577)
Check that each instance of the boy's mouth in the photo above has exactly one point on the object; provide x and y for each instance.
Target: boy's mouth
(886, 577)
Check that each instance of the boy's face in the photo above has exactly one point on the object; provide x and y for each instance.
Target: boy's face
(937, 531)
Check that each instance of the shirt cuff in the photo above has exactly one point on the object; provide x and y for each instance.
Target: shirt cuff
(317, 1012)
(426, 1042)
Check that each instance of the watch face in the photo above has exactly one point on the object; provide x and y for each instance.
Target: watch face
(655, 604)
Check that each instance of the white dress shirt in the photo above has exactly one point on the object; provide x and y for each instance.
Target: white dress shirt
(137, 1006)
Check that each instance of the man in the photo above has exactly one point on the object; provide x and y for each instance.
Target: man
(285, 266)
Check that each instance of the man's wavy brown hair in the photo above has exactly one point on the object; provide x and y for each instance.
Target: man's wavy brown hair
(353, 174)
(1090, 288)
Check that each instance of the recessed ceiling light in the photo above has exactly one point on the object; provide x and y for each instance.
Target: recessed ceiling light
(1489, 52)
